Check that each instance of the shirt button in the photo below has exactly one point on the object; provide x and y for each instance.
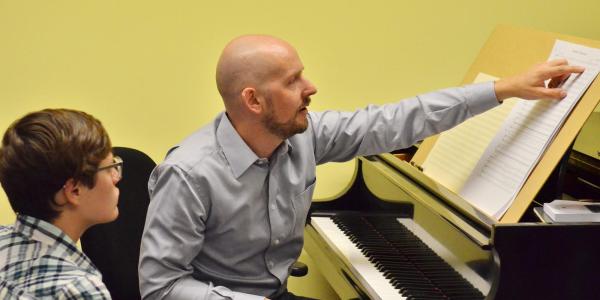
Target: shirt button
(277, 242)
(273, 206)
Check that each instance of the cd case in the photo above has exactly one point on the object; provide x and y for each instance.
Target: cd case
(572, 211)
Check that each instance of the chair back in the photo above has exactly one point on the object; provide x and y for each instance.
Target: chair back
(115, 247)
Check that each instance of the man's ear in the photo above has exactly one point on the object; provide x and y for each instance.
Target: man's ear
(251, 100)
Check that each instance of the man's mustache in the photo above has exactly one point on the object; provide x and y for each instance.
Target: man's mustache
(307, 101)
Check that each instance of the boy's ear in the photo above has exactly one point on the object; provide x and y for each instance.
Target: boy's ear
(71, 192)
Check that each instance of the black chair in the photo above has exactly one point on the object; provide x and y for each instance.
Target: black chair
(299, 269)
(115, 247)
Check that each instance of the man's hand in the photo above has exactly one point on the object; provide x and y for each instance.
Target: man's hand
(530, 85)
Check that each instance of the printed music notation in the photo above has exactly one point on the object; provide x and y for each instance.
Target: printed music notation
(524, 136)
(488, 158)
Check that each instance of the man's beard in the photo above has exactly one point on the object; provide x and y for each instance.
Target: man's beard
(285, 129)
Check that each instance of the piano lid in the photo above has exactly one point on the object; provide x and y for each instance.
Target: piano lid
(586, 143)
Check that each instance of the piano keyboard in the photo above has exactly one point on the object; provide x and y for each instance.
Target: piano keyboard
(390, 261)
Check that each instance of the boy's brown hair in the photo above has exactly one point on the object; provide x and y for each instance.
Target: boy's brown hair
(42, 150)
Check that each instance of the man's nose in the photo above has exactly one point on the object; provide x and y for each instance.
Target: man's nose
(310, 90)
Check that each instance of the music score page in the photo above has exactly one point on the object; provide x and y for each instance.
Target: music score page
(457, 151)
(525, 134)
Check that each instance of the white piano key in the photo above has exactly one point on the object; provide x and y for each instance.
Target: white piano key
(372, 279)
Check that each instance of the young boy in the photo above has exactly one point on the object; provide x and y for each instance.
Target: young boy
(59, 174)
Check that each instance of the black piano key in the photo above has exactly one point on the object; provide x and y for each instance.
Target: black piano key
(409, 264)
(406, 287)
(410, 286)
(423, 293)
(402, 270)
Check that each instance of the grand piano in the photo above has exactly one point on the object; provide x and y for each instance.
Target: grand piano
(396, 234)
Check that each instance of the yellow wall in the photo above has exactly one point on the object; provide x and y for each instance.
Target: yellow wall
(145, 68)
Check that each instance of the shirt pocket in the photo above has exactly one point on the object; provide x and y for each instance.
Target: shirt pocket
(301, 204)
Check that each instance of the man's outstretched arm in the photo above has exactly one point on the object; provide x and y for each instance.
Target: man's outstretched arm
(340, 136)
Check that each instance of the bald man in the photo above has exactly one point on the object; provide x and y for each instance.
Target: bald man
(229, 203)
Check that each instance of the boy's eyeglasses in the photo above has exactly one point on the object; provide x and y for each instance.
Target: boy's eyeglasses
(117, 166)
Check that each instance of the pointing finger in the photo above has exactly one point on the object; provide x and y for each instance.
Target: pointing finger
(557, 62)
(563, 70)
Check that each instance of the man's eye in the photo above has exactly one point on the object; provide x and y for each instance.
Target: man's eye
(295, 78)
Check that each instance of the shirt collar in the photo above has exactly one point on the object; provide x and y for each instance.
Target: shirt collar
(237, 153)
(284, 148)
(42, 231)
(51, 236)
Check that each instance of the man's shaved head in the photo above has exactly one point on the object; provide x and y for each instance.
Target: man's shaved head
(265, 92)
(249, 60)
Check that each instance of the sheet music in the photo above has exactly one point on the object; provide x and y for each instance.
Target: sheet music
(525, 134)
(457, 150)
